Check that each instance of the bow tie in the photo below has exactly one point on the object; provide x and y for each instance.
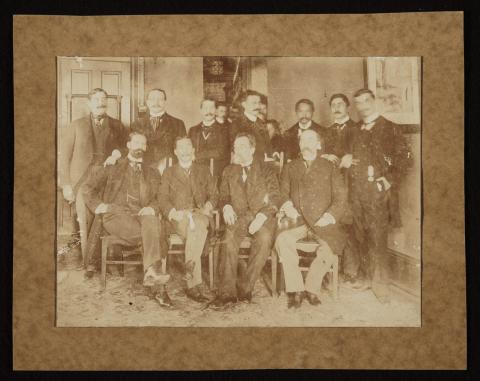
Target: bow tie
(339, 126)
(155, 121)
(98, 120)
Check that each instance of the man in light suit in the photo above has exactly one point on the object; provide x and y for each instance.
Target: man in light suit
(188, 194)
(315, 197)
(84, 144)
(249, 198)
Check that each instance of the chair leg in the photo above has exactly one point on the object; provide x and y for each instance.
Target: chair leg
(210, 266)
(164, 265)
(274, 263)
(335, 278)
(103, 277)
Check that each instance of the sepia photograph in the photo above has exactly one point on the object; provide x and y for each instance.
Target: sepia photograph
(237, 191)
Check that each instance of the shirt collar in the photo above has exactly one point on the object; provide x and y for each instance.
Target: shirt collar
(247, 164)
(157, 115)
(250, 117)
(185, 166)
(343, 120)
(371, 118)
(219, 121)
(305, 126)
(134, 159)
(208, 124)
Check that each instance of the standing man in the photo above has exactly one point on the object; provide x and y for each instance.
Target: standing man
(126, 194)
(314, 199)
(304, 109)
(188, 194)
(377, 162)
(85, 143)
(210, 139)
(249, 198)
(160, 128)
(221, 114)
(250, 123)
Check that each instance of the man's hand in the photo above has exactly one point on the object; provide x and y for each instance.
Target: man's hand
(176, 215)
(386, 184)
(147, 211)
(102, 208)
(290, 211)
(348, 161)
(68, 193)
(229, 215)
(257, 223)
(333, 158)
(207, 209)
(326, 219)
(112, 159)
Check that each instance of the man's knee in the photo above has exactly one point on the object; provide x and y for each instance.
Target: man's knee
(150, 222)
(264, 237)
(201, 221)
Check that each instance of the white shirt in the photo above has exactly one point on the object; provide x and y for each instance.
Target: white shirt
(305, 126)
(134, 159)
(343, 120)
(208, 124)
(251, 117)
(152, 115)
(185, 165)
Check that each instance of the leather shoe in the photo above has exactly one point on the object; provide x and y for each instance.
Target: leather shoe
(163, 299)
(244, 296)
(313, 299)
(221, 301)
(195, 294)
(294, 299)
(89, 272)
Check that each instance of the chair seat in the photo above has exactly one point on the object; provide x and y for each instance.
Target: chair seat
(246, 243)
(308, 246)
(175, 239)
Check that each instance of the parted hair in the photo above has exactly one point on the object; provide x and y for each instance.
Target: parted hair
(305, 101)
(95, 91)
(250, 137)
(364, 91)
(339, 96)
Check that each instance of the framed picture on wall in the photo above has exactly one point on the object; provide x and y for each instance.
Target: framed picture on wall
(395, 82)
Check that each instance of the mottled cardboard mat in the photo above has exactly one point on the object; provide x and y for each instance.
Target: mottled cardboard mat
(441, 341)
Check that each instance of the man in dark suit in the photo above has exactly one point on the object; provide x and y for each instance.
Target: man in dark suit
(250, 123)
(210, 139)
(379, 157)
(249, 198)
(221, 114)
(160, 128)
(188, 194)
(304, 109)
(85, 143)
(126, 194)
(314, 196)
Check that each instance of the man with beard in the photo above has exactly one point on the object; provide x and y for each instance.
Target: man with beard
(249, 198)
(126, 195)
(210, 139)
(314, 198)
(378, 159)
(304, 109)
(188, 194)
(160, 128)
(250, 123)
(84, 144)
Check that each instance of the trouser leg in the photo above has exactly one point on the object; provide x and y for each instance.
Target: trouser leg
(285, 245)
(319, 267)
(150, 240)
(195, 242)
(82, 218)
(259, 252)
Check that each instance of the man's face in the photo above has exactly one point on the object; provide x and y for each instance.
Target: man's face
(137, 146)
(156, 102)
(184, 151)
(208, 111)
(365, 105)
(98, 103)
(221, 112)
(339, 108)
(252, 104)
(304, 113)
(309, 144)
(242, 150)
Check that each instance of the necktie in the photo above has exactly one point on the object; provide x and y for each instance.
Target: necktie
(245, 171)
(206, 130)
(155, 121)
(137, 166)
(339, 126)
(367, 126)
(98, 121)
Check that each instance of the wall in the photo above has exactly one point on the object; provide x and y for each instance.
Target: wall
(182, 79)
(316, 78)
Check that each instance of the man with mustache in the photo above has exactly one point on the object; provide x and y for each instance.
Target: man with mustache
(85, 143)
(210, 139)
(250, 123)
(379, 157)
(188, 194)
(249, 199)
(160, 128)
(304, 109)
(126, 195)
(314, 198)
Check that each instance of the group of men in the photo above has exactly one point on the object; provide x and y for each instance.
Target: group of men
(335, 187)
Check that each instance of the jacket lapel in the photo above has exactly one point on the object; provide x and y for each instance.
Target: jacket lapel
(118, 177)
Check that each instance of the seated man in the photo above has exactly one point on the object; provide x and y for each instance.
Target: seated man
(126, 195)
(187, 197)
(249, 194)
(314, 195)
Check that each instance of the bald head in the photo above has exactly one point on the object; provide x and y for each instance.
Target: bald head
(310, 143)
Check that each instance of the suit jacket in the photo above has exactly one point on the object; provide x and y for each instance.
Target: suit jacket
(339, 141)
(291, 140)
(258, 129)
(104, 184)
(319, 190)
(177, 189)
(260, 193)
(216, 146)
(161, 142)
(76, 146)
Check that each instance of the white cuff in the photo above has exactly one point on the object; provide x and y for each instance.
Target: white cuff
(329, 217)
(227, 206)
(286, 204)
(261, 216)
